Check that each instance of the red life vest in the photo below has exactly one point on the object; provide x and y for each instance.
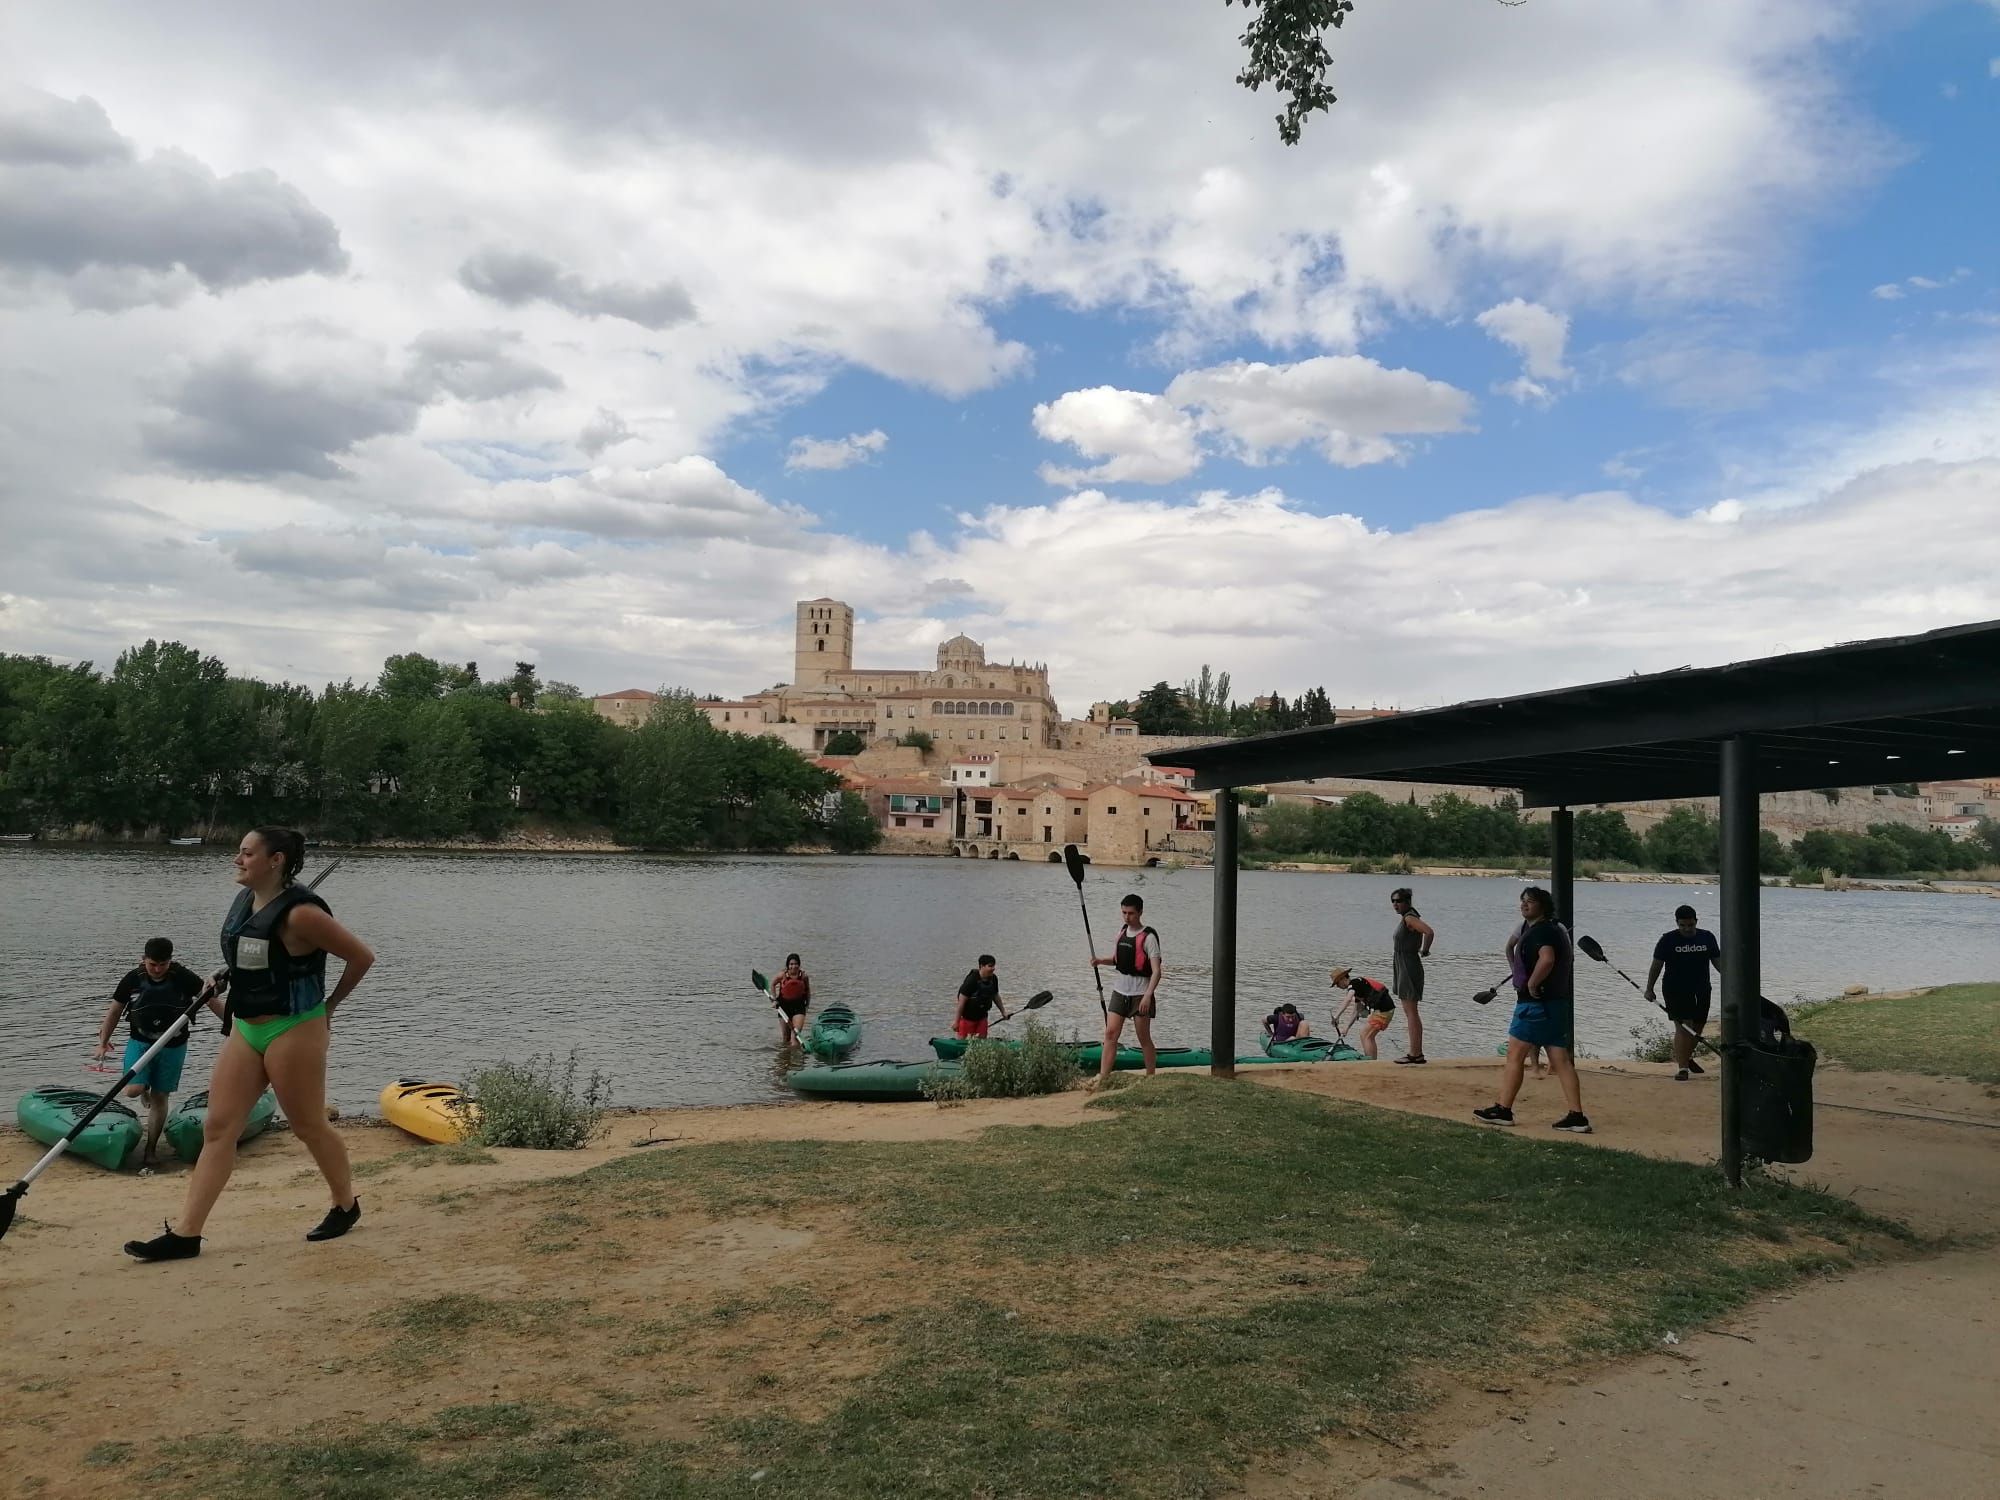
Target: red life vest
(791, 987)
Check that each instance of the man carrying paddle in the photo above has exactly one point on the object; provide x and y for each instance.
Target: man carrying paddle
(1686, 955)
(150, 999)
(1135, 987)
(978, 993)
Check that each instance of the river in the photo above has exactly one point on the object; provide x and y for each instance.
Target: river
(641, 964)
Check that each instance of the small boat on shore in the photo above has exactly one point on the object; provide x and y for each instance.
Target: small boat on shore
(835, 1032)
(184, 843)
(111, 1140)
(186, 1124)
(18, 838)
(879, 1082)
(1087, 1054)
(1311, 1049)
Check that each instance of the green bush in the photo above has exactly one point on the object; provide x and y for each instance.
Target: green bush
(1653, 1042)
(536, 1105)
(1000, 1070)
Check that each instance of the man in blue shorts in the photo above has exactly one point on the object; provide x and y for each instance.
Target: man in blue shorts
(1685, 955)
(150, 999)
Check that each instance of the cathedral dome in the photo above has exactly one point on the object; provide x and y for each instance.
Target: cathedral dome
(962, 648)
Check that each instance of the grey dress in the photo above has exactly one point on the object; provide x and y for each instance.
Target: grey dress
(1406, 969)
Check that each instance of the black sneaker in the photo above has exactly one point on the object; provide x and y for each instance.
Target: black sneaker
(1681, 1076)
(1495, 1114)
(165, 1245)
(1415, 1057)
(336, 1223)
(1695, 1067)
(1574, 1123)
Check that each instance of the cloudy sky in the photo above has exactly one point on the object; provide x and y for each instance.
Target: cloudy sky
(1578, 339)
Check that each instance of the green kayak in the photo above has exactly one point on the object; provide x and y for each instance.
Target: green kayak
(868, 1080)
(109, 1140)
(1088, 1053)
(184, 1125)
(1311, 1049)
(835, 1032)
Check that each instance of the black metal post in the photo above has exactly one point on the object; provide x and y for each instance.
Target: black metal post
(1222, 944)
(1562, 864)
(1741, 888)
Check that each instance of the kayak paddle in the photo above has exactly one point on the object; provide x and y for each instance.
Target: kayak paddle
(1485, 997)
(11, 1199)
(1035, 1002)
(1593, 949)
(1073, 862)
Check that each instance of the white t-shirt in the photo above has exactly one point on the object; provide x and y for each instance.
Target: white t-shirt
(1135, 984)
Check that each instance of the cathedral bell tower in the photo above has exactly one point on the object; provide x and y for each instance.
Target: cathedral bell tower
(823, 642)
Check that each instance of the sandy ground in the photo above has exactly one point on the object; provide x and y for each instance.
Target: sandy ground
(1879, 1383)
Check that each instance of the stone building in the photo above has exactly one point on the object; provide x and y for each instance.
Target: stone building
(628, 708)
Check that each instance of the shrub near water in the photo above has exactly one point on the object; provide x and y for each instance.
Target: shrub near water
(998, 1070)
(534, 1106)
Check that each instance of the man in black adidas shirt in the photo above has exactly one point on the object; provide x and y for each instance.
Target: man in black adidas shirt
(1685, 954)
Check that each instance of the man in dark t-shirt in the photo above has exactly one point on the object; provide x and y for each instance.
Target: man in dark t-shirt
(978, 993)
(150, 999)
(1685, 956)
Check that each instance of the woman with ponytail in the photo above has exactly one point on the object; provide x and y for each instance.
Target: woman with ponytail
(275, 941)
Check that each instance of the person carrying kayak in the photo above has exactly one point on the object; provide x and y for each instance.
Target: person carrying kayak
(792, 993)
(149, 1000)
(1371, 999)
(275, 939)
(1135, 988)
(1286, 1024)
(978, 993)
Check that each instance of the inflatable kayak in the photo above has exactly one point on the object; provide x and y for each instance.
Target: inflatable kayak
(1088, 1053)
(835, 1032)
(110, 1140)
(869, 1080)
(1311, 1049)
(184, 1125)
(425, 1110)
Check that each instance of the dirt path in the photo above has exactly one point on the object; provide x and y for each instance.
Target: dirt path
(1880, 1383)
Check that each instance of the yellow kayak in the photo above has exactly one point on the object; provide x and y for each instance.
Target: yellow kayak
(425, 1109)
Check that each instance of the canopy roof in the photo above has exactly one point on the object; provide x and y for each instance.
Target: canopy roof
(1906, 708)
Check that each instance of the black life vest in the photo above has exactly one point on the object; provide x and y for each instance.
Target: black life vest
(1130, 957)
(265, 978)
(155, 1004)
(1372, 993)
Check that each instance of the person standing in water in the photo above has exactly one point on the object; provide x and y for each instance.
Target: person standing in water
(1408, 950)
(978, 994)
(275, 941)
(792, 993)
(150, 999)
(1135, 987)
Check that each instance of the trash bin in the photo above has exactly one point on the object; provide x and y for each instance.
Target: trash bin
(1774, 1105)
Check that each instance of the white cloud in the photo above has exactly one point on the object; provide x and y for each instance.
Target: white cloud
(836, 453)
(1142, 438)
(1993, 67)
(1888, 291)
(1349, 407)
(1540, 336)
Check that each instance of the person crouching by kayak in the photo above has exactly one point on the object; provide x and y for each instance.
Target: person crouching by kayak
(275, 940)
(792, 993)
(978, 993)
(1135, 988)
(1373, 1006)
(1286, 1024)
(150, 999)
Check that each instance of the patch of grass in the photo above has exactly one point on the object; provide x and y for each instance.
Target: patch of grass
(44, 1383)
(457, 1154)
(1008, 1069)
(434, 1319)
(108, 1455)
(1356, 1255)
(1953, 1032)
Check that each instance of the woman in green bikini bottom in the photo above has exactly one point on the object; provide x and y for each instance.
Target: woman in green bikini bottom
(275, 940)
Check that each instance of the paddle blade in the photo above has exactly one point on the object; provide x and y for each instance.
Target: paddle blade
(7, 1201)
(1037, 1000)
(763, 984)
(1073, 861)
(1484, 997)
(1592, 948)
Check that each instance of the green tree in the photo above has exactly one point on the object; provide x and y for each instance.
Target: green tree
(852, 829)
(174, 735)
(670, 777)
(769, 796)
(1773, 858)
(1206, 700)
(350, 732)
(916, 739)
(60, 757)
(1161, 710)
(442, 775)
(845, 742)
(1603, 834)
(560, 692)
(572, 768)
(1315, 708)
(414, 676)
(1685, 841)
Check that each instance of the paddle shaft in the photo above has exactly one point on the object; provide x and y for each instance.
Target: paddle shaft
(182, 1022)
(1074, 864)
(1035, 1002)
(1700, 1040)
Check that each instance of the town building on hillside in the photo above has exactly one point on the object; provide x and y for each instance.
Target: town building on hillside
(628, 708)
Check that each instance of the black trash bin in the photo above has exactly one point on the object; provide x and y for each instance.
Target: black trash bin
(1774, 1114)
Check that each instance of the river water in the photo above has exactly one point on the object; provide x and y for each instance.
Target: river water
(641, 964)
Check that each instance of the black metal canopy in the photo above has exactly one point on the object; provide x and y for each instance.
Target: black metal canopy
(1906, 708)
